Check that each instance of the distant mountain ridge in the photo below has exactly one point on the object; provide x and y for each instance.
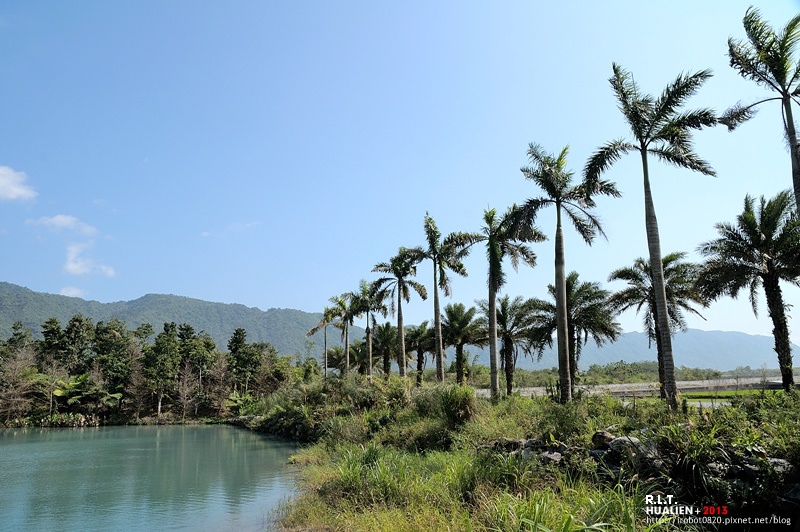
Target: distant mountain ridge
(286, 329)
(721, 350)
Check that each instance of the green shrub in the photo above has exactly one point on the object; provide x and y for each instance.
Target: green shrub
(419, 435)
(427, 402)
(345, 429)
(458, 404)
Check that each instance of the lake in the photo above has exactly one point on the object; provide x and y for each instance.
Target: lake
(206, 477)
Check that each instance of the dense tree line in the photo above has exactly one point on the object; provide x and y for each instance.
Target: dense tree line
(106, 372)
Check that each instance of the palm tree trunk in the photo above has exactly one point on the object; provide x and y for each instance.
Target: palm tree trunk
(437, 326)
(346, 349)
(780, 329)
(401, 336)
(657, 269)
(460, 377)
(420, 366)
(562, 334)
(369, 350)
(325, 352)
(573, 355)
(508, 362)
(493, 359)
(387, 362)
(794, 148)
(660, 358)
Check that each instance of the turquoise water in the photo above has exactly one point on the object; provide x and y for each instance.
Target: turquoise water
(141, 478)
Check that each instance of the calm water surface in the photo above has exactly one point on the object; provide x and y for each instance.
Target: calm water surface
(141, 478)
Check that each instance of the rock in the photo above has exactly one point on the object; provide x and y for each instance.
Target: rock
(535, 445)
(598, 454)
(718, 469)
(785, 471)
(506, 444)
(601, 439)
(793, 494)
(550, 457)
(558, 447)
(625, 445)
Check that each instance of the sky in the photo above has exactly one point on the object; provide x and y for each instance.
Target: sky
(271, 153)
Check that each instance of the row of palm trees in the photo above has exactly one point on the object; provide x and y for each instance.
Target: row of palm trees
(746, 254)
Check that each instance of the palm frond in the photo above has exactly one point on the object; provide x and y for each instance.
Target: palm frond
(672, 99)
(604, 158)
(736, 115)
(683, 159)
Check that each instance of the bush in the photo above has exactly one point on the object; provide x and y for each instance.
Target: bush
(420, 435)
(458, 404)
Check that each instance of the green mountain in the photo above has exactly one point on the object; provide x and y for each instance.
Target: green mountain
(285, 329)
(720, 350)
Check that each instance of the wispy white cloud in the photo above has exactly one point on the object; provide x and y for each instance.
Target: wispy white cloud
(65, 222)
(72, 291)
(237, 227)
(12, 185)
(78, 264)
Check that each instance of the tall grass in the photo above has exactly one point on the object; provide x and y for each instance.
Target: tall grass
(428, 460)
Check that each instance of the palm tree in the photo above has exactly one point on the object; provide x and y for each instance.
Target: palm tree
(328, 315)
(661, 128)
(359, 357)
(682, 295)
(386, 345)
(369, 300)
(345, 311)
(574, 202)
(761, 249)
(460, 327)
(589, 314)
(400, 268)
(420, 340)
(335, 358)
(770, 59)
(503, 238)
(446, 255)
(514, 321)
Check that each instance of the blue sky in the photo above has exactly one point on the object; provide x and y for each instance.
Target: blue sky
(271, 153)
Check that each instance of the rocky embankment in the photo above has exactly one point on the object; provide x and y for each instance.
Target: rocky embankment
(695, 472)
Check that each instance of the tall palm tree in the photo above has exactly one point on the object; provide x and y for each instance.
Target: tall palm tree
(335, 357)
(369, 300)
(589, 314)
(770, 59)
(420, 340)
(679, 283)
(503, 238)
(514, 322)
(328, 315)
(575, 203)
(401, 268)
(346, 312)
(359, 357)
(659, 127)
(386, 345)
(461, 327)
(446, 255)
(761, 249)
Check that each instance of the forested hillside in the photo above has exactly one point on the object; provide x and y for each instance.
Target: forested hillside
(285, 329)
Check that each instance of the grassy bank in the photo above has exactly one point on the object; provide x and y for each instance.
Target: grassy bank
(379, 457)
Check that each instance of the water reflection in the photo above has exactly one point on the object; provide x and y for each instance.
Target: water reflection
(141, 478)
